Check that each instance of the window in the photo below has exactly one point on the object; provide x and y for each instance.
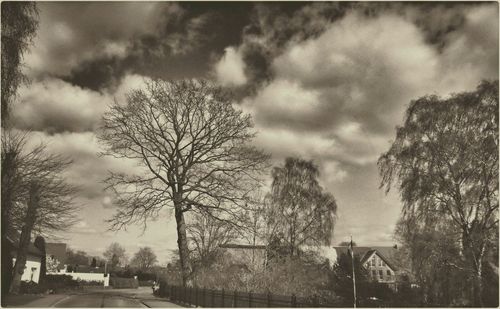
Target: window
(374, 273)
(381, 273)
(388, 273)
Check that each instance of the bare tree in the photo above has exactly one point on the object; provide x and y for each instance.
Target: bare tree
(206, 234)
(301, 211)
(144, 259)
(445, 161)
(115, 254)
(37, 197)
(195, 148)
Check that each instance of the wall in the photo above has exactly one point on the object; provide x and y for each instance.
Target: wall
(32, 268)
(376, 264)
(87, 277)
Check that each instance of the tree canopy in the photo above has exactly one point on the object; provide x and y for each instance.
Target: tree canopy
(301, 211)
(19, 25)
(144, 259)
(444, 162)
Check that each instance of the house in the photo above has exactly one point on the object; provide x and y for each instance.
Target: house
(378, 261)
(33, 257)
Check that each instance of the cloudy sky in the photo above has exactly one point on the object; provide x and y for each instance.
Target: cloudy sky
(323, 81)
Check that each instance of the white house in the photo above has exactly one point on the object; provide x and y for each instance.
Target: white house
(33, 258)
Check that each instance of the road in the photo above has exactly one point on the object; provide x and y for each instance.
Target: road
(128, 298)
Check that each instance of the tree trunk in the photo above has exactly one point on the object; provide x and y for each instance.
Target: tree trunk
(478, 286)
(6, 202)
(182, 245)
(24, 240)
(475, 259)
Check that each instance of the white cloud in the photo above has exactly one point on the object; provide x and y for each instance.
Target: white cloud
(56, 106)
(230, 69)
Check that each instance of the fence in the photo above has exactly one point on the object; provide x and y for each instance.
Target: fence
(235, 299)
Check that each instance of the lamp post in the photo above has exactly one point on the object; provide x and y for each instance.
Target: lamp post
(353, 273)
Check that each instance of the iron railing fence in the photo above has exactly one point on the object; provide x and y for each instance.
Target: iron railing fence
(202, 297)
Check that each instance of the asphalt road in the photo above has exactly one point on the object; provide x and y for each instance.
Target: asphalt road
(92, 298)
(99, 300)
(114, 299)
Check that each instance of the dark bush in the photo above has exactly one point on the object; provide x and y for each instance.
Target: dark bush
(32, 288)
(123, 283)
(61, 282)
(146, 282)
(146, 276)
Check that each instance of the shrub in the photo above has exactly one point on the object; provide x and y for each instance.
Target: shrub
(146, 282)
(123, 283)
(61, 282)
(32, 288)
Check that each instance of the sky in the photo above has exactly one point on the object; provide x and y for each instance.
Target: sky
(327, 82)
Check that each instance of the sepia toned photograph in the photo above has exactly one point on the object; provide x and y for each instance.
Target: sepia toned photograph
(249, 154)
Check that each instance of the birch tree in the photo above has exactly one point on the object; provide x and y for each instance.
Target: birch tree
(301, 211)
(445, 161)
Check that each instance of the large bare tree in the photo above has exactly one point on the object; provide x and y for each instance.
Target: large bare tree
(195, 148)
(445, 161)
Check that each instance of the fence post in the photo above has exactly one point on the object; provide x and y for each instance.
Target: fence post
(222, 296)
(213, 297)
(190, 301)
(204, 292)
(185, 288)
(268, 299)
(235, 299)
(196, 296)
(249, 299)
(294, 301)
(315, 301)
(172, 294)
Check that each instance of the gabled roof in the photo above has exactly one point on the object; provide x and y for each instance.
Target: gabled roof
(386, 253)
(14, 236)
(236, 246)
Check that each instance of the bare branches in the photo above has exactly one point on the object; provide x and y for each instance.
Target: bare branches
(26, 165)
(192, 143)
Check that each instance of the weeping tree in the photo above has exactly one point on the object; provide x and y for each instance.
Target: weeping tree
(194, 148)
(444, 162)
(19, 25)
(301, 213)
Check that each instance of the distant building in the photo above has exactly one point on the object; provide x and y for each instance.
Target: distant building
(246, 256)
(378, 261)
(33, 257)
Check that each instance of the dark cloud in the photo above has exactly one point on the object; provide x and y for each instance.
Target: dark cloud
(94, 44)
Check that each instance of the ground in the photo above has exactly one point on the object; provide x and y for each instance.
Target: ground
(94, 298)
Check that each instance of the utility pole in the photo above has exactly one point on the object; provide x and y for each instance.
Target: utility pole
(353, 273)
